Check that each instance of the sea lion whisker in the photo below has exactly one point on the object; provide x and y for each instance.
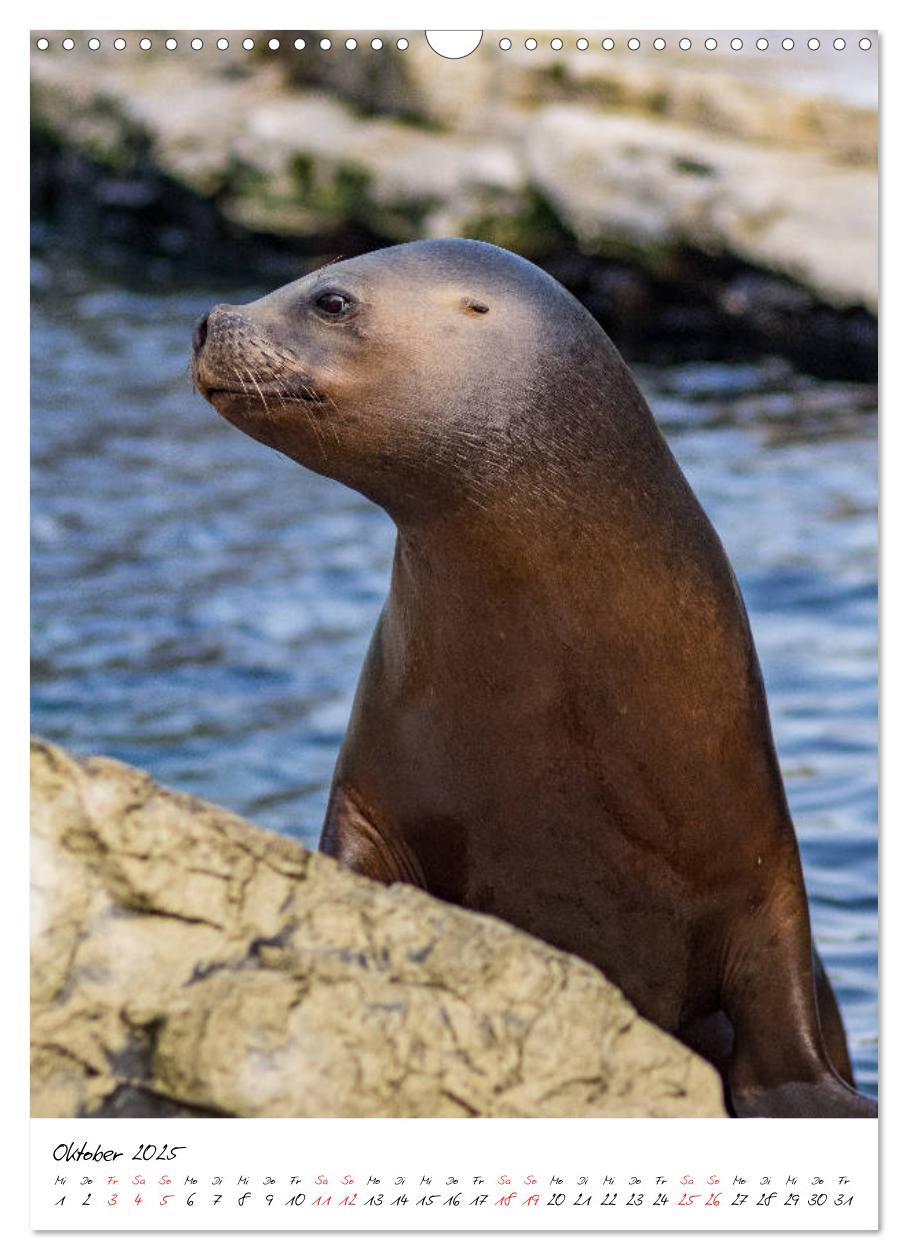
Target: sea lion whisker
(279, 389)
(309, 412)
(255, 384)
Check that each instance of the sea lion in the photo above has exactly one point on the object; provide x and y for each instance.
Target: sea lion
(561, 719)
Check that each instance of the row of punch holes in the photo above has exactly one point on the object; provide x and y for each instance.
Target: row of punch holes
(223, 44)
(736, 44)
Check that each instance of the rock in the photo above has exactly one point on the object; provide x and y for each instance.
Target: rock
(185, 962)
(620, 181)
(792, 99)
(650, 158)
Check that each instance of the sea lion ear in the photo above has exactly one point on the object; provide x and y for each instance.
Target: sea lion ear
(475, 306)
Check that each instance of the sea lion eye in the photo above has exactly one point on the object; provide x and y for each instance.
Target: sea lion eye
(334, 304)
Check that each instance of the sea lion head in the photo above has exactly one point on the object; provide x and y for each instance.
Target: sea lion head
(421, 374)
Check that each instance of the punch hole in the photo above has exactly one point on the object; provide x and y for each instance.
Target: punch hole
(684, 44)
(274, 44)
(69, 44)
(788, 44)
(633, 44)
(42, 44)
(223, 44)
(248, 44)
(711, 44)
(737, 44)
(94, 44)
(451, 44)
(119, 44)
(813, 44)
(583, 43)
(864, 44)
(557, 44)
(350, 44)
(324, 44)
(762, 44)
(403, 44)
(145, 44)
(659, 44)
(504, 44)
(529, 43)
(608, 44)
(377, 43)
(838, 44)
(299, 44)
(196, 44)
(170, 44)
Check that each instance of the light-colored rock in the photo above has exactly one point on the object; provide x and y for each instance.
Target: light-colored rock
(186, 962)
(823, 100)
(766, 161)
(614, 177)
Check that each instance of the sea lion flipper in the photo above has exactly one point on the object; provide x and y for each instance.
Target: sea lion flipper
(829, 1098)
(353, 838)
(777, 997)
(831, 1024)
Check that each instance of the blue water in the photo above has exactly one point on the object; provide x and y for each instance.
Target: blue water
(201, 605)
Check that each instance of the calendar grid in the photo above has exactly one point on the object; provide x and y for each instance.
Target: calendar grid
(428, 1174)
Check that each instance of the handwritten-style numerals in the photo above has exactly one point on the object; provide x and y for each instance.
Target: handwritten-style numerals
(148, 1150)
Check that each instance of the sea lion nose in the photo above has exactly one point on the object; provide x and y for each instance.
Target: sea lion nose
(220, 318)
(200, 334)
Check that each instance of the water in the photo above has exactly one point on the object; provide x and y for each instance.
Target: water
(201, 606)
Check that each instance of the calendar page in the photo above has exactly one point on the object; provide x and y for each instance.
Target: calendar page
(454, 629)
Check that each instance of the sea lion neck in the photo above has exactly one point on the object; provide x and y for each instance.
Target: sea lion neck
(506, 535)
(630, 564)
(561, 517)
(507, 555)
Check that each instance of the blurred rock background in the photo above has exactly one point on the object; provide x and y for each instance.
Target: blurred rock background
(692, 199)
